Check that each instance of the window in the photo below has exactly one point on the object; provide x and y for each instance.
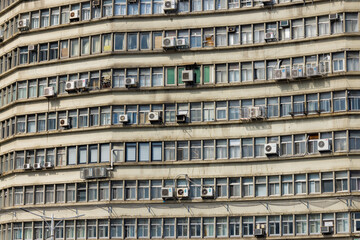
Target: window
(246, 72)
(95, 44)
(85, 11)
(324, 25)
(338, 62)
(169, 228)
(247, 147)
(195, 38)
(351, 22)
(260, 186)
(65, 12)
(297, 28)
(314, 223)
(182, 227)
(234, 36)
(341, 182)
(325, 102)
(274, 225)
(300, 184)
(157, 77)
(43, 52)
(220, 75)
(74, 47)
(274, 186)
(352, 61)
(182, 150)
(130, 190)
(208, 111)
(143, 190)
(35, 20)
(314, 183)
(354, 140)
(85, 46)
(208, 227)
(287, 184)
(287, 225)
(310, 27)
(300, 224)
(327, 182)
(117, 190)
(340, 141)
(337, 24)
(23, 55)
(248, 226)
(221, 187)
(259, 33)
(285, 104)
(195, 227)
(342, 222)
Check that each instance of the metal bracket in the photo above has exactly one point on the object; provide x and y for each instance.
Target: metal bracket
(226, 206)
(109, 209)
(148, 208)
(305, 203)
(266, 205)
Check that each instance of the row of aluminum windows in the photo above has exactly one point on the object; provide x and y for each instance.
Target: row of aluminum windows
(147, 41)
(61, 15)
(224, 73)
(183, 227)
(224, 188)
(194, 150)
(195, 112)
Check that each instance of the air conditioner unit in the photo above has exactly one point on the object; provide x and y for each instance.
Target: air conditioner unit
(70, 86)
(167, 192)
(48, 165)
(259, 232)
(23, 24)
(168, 42)
(270, 36)
(181, 42)
(255, 112)
(123, 118)
(81, 83)
(322, 68)
(31, 47)
(181, 116)
(182, 192)
(283, 73)
(277, 74)
(74, 14)
(270, 148)
(37, 166)
(334, 17)
(187, 76)
(100, 172)
(207, 192)
(87, 173)
(27, 166)
(96, 3)
(323, 145)
(169, 5)
(312, 71)
(284, 24)
(297, 73)
(64, 122)
(49, 92)
(326, 229)
(231, 29)
(154, 116)
(130, 82)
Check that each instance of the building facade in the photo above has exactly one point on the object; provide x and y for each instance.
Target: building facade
(217, 119)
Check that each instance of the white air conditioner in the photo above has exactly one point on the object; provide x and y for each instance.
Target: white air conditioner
(49, 92)
(167, 192)
(170, 5)
(181, 42)
(168, 42)
(326, 229)
(277, 74)
(154, 116)
(48, 165)
(74, 14)
(70, 86)
(23, 24)
(182, 192)
(270, 148)
(283, 73)
(207, 192)
(181, 116)
(270, 36)
(123, 118)
(100, 172)
(31, 47)
(284, 24)
(312, 71)
(187, 76)
(96, 3)
(334, 17)
(259, 232)
(255, 112)
(27, 166)
(64, 122)
(323, 145)
(81, 83)
(297, 73)
(130, 82)
(37, 166)
(323, 68)
(87, 173)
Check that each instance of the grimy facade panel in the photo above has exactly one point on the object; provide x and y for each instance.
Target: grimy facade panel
(179, 119)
